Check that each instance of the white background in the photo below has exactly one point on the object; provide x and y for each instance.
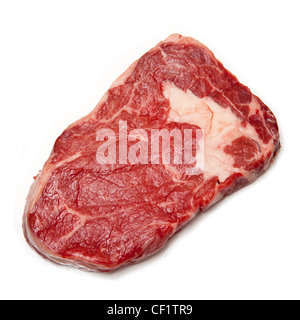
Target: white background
(57, 58)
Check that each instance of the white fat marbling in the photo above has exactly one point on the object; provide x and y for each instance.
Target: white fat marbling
(220, 125)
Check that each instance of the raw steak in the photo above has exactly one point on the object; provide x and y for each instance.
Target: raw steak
(100, 216)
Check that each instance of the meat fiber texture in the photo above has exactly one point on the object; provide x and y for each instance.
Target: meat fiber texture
(101, 217)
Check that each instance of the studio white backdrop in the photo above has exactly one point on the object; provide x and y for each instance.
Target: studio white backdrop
(57, 58)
